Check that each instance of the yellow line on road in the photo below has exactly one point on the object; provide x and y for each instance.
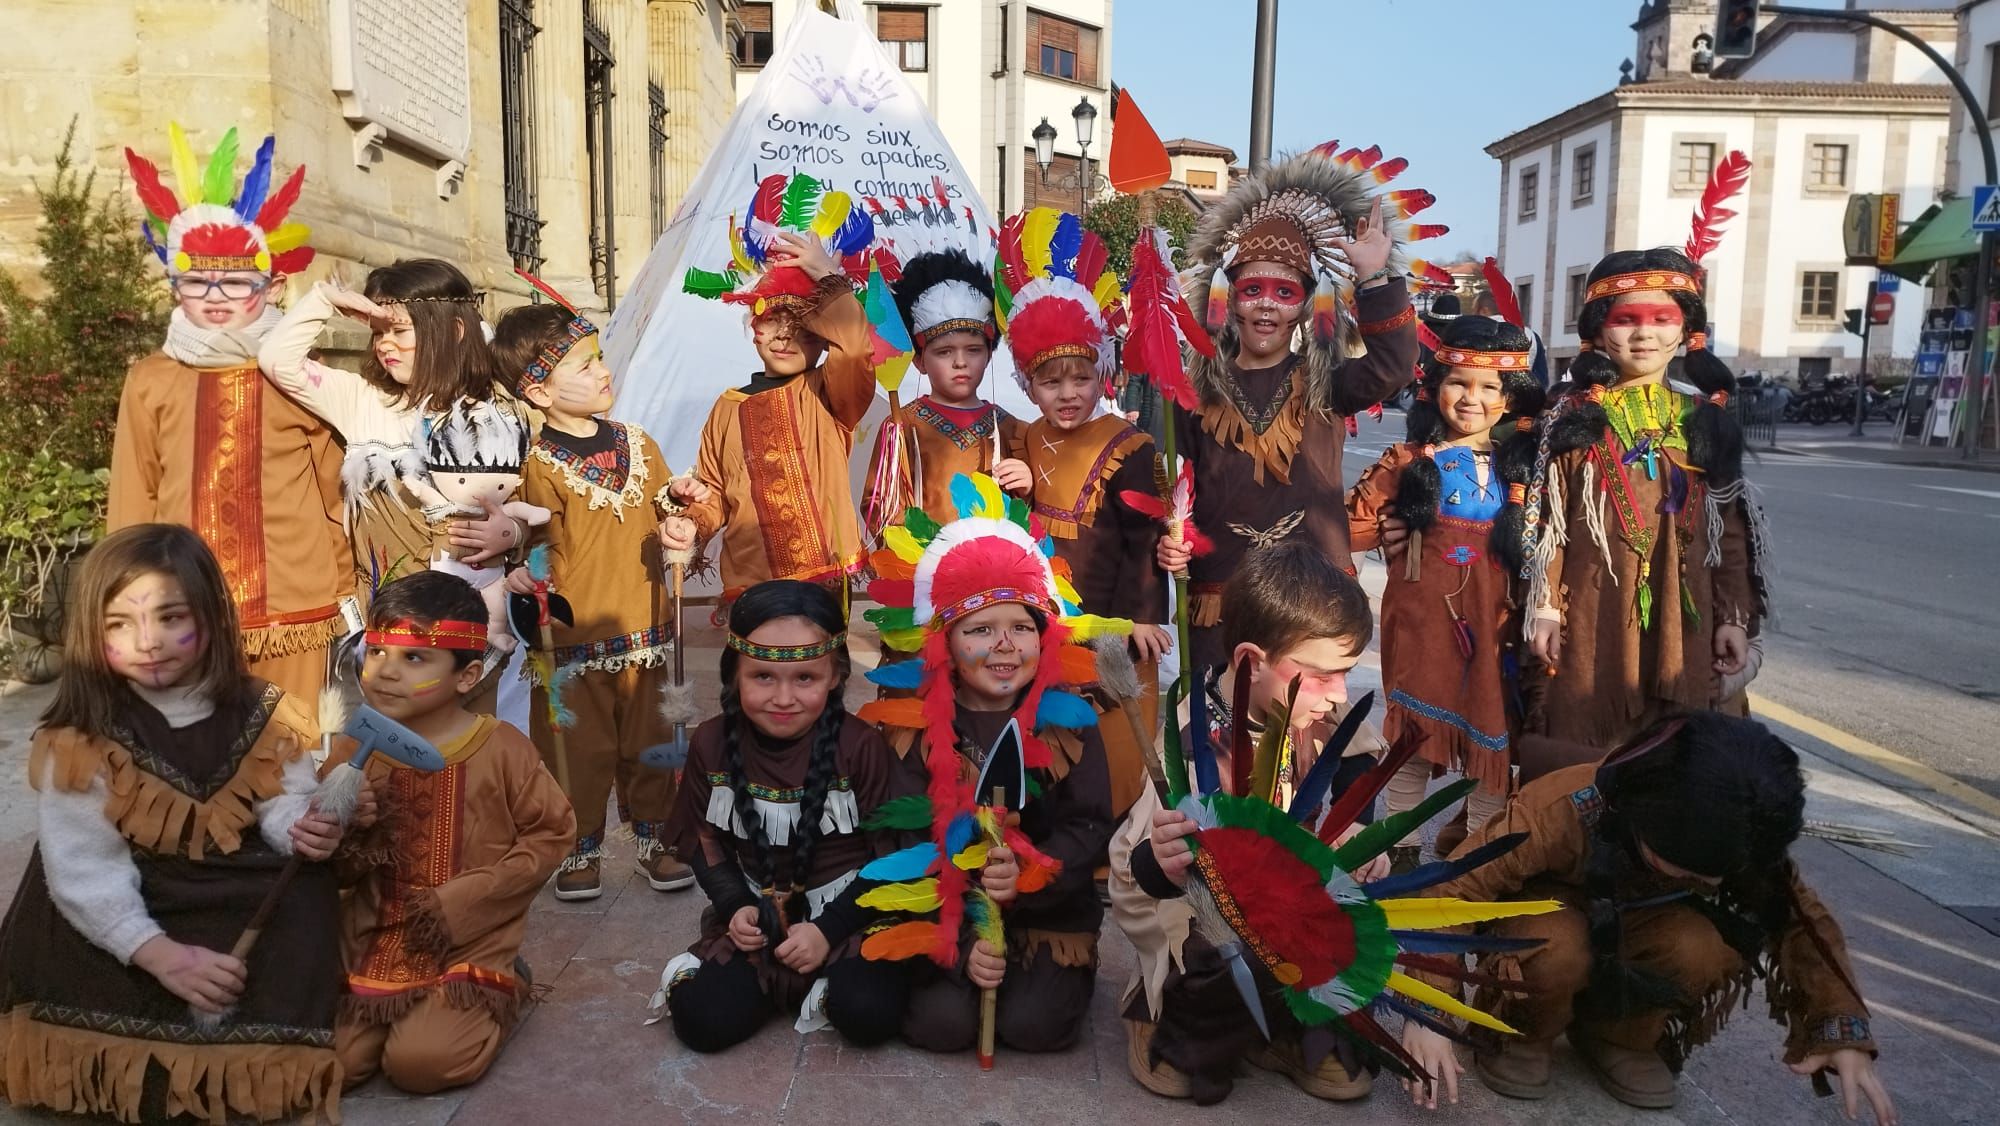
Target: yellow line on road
(1881, 756)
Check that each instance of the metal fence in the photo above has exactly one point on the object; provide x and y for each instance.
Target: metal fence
(1756, 411)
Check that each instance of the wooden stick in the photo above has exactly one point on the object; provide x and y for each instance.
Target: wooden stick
(255, 928)
(989, 999)
(555, 729)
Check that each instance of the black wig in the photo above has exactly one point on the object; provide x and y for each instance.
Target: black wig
(924, 271)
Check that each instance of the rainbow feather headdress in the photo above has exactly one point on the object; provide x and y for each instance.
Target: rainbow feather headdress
(1054, 292)
(930, 577)
(798, 204)
(212, 224)
(1270, 889)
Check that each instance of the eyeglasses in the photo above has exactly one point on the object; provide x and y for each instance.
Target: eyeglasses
(197, 288)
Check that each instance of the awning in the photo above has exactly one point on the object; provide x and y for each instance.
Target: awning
(1943, 232)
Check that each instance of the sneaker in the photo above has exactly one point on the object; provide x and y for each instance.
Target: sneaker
(664, 870)
(580, 879)
(1161, 1078)
(1635, 1078)
(1518, 1070)
(1328, 1081)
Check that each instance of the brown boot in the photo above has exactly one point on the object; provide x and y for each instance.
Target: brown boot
(1633, 1077)
(1161, 1078)
(579, 878)
(663, 869)
(1453, 834)
(1519, 1070)
(1328, 1081)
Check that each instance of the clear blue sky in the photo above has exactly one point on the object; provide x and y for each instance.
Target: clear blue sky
(1432, 80)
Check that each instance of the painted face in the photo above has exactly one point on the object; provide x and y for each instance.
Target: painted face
(409, 682)
(1267, 301)
(1471, 400)
(783, 699)
(956, 363)
(227, 299)
(1067, 390)
(150, 634)
(994, 655)
(395, 345)
(580, 386)
(785, 346)
(1641, 335)
(1321, 664)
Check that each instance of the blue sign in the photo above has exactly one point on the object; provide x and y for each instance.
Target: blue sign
(1886, 282)
(1986, 207)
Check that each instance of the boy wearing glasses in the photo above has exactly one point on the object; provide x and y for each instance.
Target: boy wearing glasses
(203, 441)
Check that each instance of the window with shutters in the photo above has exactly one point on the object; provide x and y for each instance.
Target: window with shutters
(1693, 161)
(753, 34)
(1201, 181)
(1819, 294)
(1060, 48)
(907, 33)
(1531, 193)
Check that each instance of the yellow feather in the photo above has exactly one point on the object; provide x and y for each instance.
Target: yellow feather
(186, 173)
(1107, 290)
(1431, 914)
(1067, 591)
(1036, 235)
(917, 895)
(1438, 999)
(904, 640)
(1089, 627)
(900, 541)
(288, 236)
(736, 251)
(971, 858)
(833, 210)
(992, 505)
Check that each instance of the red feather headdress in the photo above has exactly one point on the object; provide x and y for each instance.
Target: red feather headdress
(211, 224)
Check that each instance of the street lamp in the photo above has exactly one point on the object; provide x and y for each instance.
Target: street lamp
(1045, 146)
(1085, 117)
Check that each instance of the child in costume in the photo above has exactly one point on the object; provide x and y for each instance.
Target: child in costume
(428, 355)
(1303, 249)
(1643, 544)
(771, 815)
(1671, 862)
(439, 887)
(202, 442)
(999, 633)
(605, 484)
(1267, 926)
(171, 789)
(1083, 463)
(774, 453)
(1458, 482)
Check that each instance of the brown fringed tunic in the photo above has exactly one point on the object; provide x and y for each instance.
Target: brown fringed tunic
(948, 441)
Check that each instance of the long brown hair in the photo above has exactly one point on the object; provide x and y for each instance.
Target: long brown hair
(89, 694)
(453, 360)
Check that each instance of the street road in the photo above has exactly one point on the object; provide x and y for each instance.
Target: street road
(1888, 617)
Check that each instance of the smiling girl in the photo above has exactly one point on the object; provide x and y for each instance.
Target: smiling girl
(1643, 545)
(1446, 612)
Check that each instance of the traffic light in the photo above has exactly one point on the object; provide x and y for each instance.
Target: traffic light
(1736, 29)
(1852, 322)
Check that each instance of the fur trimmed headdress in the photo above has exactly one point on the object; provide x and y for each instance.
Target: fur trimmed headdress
(1055, 292)
(204, 228)
(1292, 214)
(798, 204)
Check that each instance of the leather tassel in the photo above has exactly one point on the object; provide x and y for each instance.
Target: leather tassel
(1413, 557)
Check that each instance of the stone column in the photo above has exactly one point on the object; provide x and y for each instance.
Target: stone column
(631, 150)
(561, 164)
(699, 80)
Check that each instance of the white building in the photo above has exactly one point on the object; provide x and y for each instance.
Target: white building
(990, 70)
(1824, 109)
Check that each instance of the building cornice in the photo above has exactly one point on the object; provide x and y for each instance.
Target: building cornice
(1708, 95)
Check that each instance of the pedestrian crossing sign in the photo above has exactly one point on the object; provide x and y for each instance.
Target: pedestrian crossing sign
(1986, 207)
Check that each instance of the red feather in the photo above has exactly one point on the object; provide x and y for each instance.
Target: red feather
(280, 204)
(1409, 201)
(1353, 427)
(943, 196)
(1241, 753)
(1138, 500)
(1504, 297)
(1730, 174)
(161, 203)
(1361, 794)
(874, 205)
(1388, 170)
(1428, 339)
(1159, 318)
(1282, 902)
(1368, 159)
(902, 204)
(1010, 252)
(769, 201)
(1418, 232)
(1090, 260)
(1197, 543)
(1430, 274)
(1326, 149)
(892, 270)
(292, 262)
(1375, 411)
(1347, 155)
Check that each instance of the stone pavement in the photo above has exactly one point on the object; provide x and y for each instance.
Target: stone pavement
(1932, 976)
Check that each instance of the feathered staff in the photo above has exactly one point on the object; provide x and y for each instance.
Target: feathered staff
(677, 696)
(1730, 174)
(891, 489)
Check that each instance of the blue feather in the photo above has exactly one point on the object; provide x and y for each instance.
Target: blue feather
(854, 235)
(909, 864)
(1065, 245)
(1313, 789)
(964, 496)
(1064, 709)
(1441, 942)
(963, 828)
(902, 674)
(1443, 871)
(256, 185)
(1207, 775)
(146, 231)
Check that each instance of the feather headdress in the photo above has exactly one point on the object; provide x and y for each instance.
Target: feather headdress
(797, 204)
(1054, 292)
(1727, 180)
(1294, 212)
(929, 577)
(209, 224)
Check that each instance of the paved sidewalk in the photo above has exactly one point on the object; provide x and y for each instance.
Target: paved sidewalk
(583, 1056)
(1877, 444)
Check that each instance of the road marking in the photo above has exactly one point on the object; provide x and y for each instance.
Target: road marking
(1968, 492)
(1874, 500)
(1881, 756)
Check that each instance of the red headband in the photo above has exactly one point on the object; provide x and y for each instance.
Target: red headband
(1467, 358)
(407, 633)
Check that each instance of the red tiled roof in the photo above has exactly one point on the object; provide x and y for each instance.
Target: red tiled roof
(1200, 148)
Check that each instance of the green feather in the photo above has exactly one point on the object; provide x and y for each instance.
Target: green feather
(1374, 950)
(911, 811)
(1376, 839)
(218, 183)
(801, 203)
(1017, 511)
(709, 283)
(920, 525)
(1271, 744)
(1259, 816)
(892, 617)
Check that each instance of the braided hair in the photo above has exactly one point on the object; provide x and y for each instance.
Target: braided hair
(768, 602)
(1513, 451)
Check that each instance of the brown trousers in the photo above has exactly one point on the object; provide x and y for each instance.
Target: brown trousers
(1674, 942)
(1041, 1006)
(617, 716)
(299, 674)
(431, 1048)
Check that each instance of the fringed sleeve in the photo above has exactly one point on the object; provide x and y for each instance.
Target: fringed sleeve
(1812, 991)
(1390, 333)
(1372, 496)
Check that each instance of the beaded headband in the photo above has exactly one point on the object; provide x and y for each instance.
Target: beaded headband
(1669, 280)
(962, 324)
(946, 615)
(1465, 357)
(445, 633)
(473, 299)
(260, 262)
(787, 654)
(1045, 355)
(545, 364)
